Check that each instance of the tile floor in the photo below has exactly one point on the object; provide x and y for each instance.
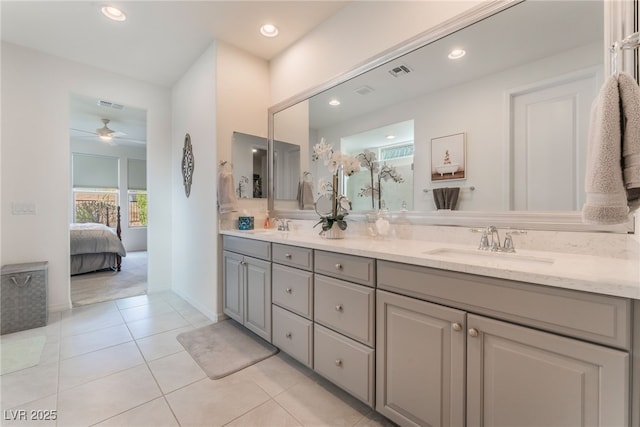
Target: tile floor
(118, 363)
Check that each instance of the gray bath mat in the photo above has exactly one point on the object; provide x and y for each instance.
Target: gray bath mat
(224, 348)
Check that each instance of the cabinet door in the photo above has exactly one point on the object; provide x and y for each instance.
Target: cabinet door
(258, 297)
(420, 362)
(524, 377)
(233, 289)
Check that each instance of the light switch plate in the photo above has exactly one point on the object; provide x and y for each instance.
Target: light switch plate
(23, 208)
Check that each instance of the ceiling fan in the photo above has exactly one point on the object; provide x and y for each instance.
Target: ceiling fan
(106, 134)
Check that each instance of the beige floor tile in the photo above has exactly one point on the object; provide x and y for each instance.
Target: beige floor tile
(106, 397)
(276, 374)
(136, 301)
(162, 344)
(177, 302)
(215, 403)
(269, 414)
(193, 316)
(91, 309)
(88, 322)
(156, 324)
(176, 371)
(97, 364)
(76, 345)
(153, 414)
(28, 385)
(315, 405)
(154, 308)
(41, 412)
(374, 419)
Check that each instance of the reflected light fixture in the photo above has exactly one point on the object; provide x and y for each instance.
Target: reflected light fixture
(105, 138)
(334, 102)
(113, 13)
(269, 30)
(457, 53)
(391, 136)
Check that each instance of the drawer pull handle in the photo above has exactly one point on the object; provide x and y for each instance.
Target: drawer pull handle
(457, 327)
(338, 266)
(473, 332)
(338, 362)
(288, 335)
(339, 307)
(288, 290)
(287, 256)
(21, 285)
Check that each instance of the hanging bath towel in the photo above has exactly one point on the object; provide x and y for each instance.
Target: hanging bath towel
(630, 100)
(606, 201)
(227, 201)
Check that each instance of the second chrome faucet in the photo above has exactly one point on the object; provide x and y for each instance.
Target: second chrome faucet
(490, 239)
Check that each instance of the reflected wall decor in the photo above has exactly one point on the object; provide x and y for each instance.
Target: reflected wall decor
(187, 164)
(448, 158)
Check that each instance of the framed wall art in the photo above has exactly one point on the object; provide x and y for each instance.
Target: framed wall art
(449, 157)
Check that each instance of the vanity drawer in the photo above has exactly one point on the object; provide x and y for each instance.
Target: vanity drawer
(345, 362)
(347, 267)
(254, 248)
(597, 318)
(292, 289)
(293, 256)
(345, 307)
(293, 335)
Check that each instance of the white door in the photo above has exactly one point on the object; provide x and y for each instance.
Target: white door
(550, 124)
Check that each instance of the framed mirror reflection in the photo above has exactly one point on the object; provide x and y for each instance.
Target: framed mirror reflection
(517, 79)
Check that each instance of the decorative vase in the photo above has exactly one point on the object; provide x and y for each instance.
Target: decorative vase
(334, 232)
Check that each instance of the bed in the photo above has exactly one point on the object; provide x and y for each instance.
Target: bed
(95, 246)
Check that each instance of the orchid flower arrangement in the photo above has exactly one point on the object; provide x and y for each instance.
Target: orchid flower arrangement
(368, 160)
(335, 161)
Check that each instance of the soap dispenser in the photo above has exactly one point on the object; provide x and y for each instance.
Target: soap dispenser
(403, 224)
(267, 221)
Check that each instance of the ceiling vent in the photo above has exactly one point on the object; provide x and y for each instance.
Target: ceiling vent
(400, 70)
(364, 90)
(108, 104)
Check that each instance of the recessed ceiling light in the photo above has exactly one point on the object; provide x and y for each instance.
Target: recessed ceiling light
(114, 13)
(269, 30)
(457, 53)
(391, 136)
(334, 102)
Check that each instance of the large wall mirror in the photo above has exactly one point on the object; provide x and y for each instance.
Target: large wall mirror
(516, 102)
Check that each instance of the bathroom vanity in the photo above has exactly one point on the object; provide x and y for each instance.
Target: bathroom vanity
(440, 334)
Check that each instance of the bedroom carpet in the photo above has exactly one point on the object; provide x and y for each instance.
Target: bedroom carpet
(224, 348)
(107, 285)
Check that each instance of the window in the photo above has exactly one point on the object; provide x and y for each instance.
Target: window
(95, 188)
(137, 208)
(95, 205)
(137, 192)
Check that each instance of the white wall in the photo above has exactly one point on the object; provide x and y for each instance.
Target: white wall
(133, 238)
(357, 33)
(194, 248)
(36, 161)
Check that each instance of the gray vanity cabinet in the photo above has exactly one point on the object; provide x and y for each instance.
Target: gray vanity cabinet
(420, 368)
(521, 376)
(536, 369)
(293, 301)
(247, 284)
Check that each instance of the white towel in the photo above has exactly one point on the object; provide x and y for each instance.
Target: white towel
(630, 101)
(227, 201)
(606, 201)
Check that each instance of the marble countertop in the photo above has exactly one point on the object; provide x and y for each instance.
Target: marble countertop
(609, 276)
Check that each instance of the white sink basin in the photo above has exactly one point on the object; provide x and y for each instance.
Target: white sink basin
(494, 259)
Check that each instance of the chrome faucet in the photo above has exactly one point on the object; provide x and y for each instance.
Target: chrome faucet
(495, 242)
(283, 224)
(490, 239)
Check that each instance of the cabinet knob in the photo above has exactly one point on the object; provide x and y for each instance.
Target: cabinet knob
(338, 362)
(473, 332)
(243, 263)
(339, 307)
(338, 266)
(287, 256)
(288, 335)
(456, 327)
(288, 290)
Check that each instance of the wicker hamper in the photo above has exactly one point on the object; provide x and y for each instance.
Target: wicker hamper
(23, 297)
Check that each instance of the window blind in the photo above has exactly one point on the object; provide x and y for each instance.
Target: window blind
(94, 171)
(137, 174)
